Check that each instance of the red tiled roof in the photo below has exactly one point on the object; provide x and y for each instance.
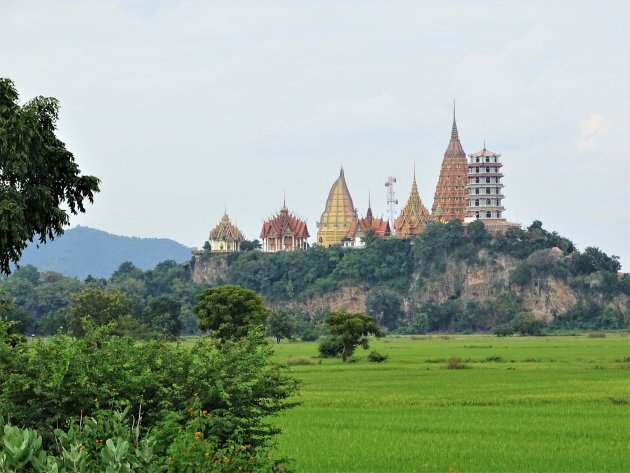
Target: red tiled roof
(284, 223)
(378, 225)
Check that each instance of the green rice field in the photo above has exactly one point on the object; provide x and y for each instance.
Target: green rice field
(521, 404)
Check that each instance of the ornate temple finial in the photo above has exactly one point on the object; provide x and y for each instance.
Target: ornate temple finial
(284, 198)
(484, 144)
(414, 171)
(341, 172)
(454, 133)
(369, 199)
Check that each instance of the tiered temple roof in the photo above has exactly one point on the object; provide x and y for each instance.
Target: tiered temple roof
(413, 216)
(451, 193)
(225, 237)
(379, 226)
(338, 216)
(284, 231)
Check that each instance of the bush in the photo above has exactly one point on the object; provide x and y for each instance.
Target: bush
(503, 330)
(299, 360)
(455, 363)
(596, 335)
(330, 346)
(376, 357)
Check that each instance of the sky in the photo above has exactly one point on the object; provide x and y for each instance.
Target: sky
(185, 109)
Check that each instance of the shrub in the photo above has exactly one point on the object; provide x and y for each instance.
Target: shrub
(299, 360)
(376, 357)
(455, 363)
(596, 335)
(503, 330)
(330, 346)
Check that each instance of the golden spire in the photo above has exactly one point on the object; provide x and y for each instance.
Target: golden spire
(338, 215)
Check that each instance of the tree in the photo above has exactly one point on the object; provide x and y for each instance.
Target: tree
(353, 330)
(386, 306)
(247, 245)
(100, 307)
(281, 324)
(39, 178)
(230, 311)
(162, 314)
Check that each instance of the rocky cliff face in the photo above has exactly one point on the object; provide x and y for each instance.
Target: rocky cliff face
(210, 269)
(486, 278)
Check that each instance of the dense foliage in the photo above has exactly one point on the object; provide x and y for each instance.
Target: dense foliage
(227, 391)
(39, 178)
(393, 273)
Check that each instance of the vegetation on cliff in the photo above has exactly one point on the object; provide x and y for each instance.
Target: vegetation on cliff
(409, 286)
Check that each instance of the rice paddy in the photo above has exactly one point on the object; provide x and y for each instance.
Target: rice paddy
(520, 404)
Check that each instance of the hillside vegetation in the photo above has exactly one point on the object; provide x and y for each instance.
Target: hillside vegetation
(451, 278)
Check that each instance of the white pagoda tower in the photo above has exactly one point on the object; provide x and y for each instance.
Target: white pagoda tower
(485, 190)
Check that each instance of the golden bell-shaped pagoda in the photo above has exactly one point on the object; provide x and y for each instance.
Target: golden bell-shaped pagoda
(338, 216)
(413, 216)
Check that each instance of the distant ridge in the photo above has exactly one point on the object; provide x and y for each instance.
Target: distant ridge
(83, 251)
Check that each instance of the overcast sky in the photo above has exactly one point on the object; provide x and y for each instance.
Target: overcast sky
(184, 108)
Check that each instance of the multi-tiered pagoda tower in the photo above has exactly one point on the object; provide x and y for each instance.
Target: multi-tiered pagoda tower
(451, 193)
(485, 190)
(338, 216)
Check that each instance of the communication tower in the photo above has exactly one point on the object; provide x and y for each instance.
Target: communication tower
(391, 201)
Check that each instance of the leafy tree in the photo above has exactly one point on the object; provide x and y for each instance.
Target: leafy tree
(230, 312)
(385, 306)
(249, 245)
(281, 324)
(593, 259)
(353, 330)
(162, 315)
(39, 176)
(98, 306)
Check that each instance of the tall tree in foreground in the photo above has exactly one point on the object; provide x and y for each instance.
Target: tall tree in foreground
(353, 330)
(38, 175)
(230, 312)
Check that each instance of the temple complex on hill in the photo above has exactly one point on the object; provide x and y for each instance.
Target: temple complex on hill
(338, 216)
(359, 229)
(413, 216)
(485, 191)
(225, 237)
(451, 194)
(284, 232)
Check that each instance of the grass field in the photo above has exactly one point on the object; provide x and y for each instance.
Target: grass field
(524, 404)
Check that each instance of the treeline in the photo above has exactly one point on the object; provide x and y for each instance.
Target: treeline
(145, 303)
(158, 301)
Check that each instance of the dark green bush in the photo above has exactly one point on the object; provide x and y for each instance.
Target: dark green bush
(376, 357)
(330, 346)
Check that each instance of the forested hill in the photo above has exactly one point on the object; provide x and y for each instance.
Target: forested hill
(83, 251)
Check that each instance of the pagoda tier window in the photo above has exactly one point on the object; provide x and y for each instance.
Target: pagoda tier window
(477, 180)
(487, 169)
(487, 160)
(498, 214)
(476, 160)
(476, 169)
(488, 201)
(477, 190)
(495, 159)
(477, 214)
(487, 179)
(476, 202)
(488, 215)
(487, 190)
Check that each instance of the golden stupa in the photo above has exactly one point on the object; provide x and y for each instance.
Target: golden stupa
(338, 216)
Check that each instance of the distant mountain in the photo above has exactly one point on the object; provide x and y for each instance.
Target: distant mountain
(82, 251)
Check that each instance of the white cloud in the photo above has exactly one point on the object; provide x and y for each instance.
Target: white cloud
(593, 127)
